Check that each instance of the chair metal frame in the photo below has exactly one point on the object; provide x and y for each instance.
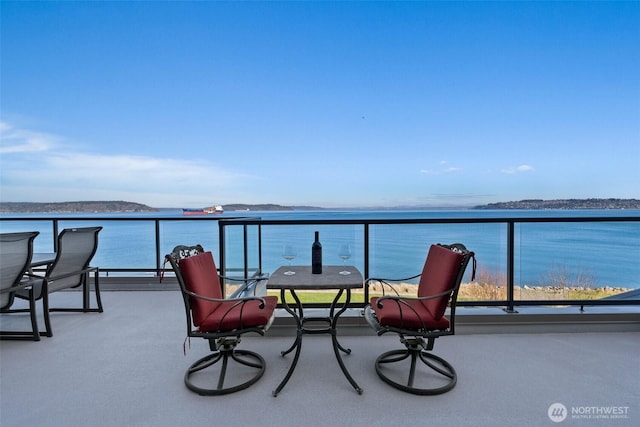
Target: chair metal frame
(222, 343)
(419, 342)
(76, 276)
(18, 283)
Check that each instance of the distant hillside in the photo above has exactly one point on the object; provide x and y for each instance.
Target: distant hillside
(74, 207)
(566, 204)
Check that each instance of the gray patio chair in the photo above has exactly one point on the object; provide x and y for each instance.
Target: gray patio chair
(420, 320)
(16, 250)
(70, 269)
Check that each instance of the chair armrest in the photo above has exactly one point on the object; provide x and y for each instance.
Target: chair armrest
(386, 283)
(34, 276)
(73, 273)
(238, 301)
(385, 279)
(402, 303)
(425, 298)
(25, 284)
(249, 283)
(260, 276)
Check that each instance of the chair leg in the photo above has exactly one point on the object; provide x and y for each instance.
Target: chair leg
(34, 335)
(226, 353)
(439, 365)
(47, 321)
(34, 319)
(86, 293)
(86, 302)
(96, 287)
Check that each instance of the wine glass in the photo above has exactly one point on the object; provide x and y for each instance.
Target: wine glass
(345, 254)
(289, 253)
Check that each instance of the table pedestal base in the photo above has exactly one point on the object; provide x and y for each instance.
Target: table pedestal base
(303, 327)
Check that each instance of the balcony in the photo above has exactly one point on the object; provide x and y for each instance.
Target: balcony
(125, 366)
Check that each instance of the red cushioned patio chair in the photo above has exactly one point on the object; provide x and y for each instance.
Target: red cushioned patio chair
(220, 321)
(420, 320)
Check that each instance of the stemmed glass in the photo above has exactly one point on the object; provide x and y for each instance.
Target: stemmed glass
(345, 254)
(289, 253)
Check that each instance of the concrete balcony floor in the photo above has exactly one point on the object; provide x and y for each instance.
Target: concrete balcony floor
(125, 367)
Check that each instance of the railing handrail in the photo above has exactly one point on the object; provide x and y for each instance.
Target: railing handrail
(259, 221)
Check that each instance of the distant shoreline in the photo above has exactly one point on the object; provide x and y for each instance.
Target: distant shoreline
(128, 207)
(566, 204)
(74, 207)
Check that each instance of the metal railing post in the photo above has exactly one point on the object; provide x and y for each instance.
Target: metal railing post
(158, 255)
(245, 251)
(366, 261)
(260, 248)
(510, 267)
(221, 246)
(55, 235)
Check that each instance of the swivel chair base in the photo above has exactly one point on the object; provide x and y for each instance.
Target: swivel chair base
(436, 363)
(226, 354)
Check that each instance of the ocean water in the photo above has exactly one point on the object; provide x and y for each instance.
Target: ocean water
(595, 253)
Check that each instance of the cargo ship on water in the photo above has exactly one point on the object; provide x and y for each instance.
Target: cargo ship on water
(218, 209)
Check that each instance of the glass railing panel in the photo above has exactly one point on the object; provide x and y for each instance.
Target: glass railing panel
(253, 249)
(234, 251)
(188, 232)
(576, 261)
(121, 244)
(301, 237)
(399, 251)
(44, 240)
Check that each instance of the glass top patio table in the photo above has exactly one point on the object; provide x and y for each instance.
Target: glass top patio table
(303, 279)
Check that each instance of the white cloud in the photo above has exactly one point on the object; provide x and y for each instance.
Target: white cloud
(442, 169)
(14, 140)
(518, 169)
(439, 171)
(40, 170)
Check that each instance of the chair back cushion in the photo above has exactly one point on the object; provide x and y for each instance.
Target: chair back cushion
(439, 275)
(76, 248)
(16, 250)
(201, 277)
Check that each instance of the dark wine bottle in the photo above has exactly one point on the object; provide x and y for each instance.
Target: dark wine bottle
(316, 255)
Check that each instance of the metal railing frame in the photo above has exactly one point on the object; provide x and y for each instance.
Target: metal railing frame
(509, 304)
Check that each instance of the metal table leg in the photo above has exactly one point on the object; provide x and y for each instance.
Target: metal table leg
(297, 344)
(332, 320)
(336, 345)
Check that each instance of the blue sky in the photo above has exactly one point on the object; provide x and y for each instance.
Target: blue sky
(334, 104)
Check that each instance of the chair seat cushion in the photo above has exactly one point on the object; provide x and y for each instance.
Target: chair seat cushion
(407, 314)
(233, 314)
